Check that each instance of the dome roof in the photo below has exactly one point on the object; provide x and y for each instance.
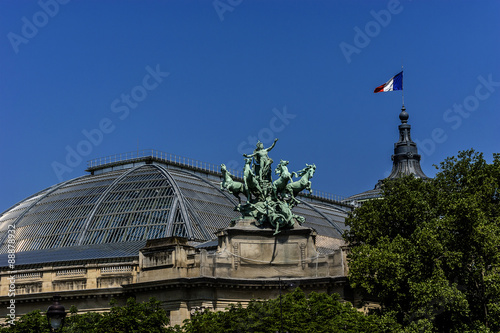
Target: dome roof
(115, 209)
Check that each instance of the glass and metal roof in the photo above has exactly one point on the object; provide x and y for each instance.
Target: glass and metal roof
(126, 201)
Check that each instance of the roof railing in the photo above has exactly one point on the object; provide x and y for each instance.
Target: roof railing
(187, 162)
(161, 156)
(328, 196)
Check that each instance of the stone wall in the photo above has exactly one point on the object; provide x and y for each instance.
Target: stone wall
(249, 262)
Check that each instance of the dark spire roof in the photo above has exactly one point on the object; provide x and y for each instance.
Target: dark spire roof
(406, 160)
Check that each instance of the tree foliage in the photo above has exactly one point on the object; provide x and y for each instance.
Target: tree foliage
(147, 317)
(429, 250)
(33, 322)
(293, 312)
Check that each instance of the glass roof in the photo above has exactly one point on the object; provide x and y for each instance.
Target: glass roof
(133, 204)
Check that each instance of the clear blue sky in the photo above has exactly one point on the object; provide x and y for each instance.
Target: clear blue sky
(302, 71)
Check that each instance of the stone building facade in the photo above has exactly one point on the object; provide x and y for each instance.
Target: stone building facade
(159, 225)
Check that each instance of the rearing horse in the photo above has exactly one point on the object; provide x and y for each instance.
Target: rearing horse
(294, 188)
(229, 184)
(279, 185)
(251, 182)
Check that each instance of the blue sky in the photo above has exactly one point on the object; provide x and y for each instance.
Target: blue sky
(206, 79)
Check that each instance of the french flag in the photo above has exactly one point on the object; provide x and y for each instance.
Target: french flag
(395, 83)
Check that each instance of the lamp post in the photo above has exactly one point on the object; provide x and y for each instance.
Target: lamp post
(56, 313)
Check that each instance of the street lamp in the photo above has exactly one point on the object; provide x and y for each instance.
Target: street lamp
(56, 313)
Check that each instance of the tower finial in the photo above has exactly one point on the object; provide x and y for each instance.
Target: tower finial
(406, 159)
(403, 116)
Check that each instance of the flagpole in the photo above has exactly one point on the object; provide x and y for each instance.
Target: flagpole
(403, 96)
(402, 88)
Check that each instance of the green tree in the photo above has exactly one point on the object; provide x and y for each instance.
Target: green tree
(33, 322)
(147, 317)
(136, 317)
(428, 251)
(294, 312)
(81, 323)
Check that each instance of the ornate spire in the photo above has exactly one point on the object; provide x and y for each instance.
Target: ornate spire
(406, 159)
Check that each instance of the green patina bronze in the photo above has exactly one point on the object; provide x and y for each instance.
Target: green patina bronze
(269, 203)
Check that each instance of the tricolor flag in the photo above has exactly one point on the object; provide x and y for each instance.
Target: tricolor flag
(395, 83)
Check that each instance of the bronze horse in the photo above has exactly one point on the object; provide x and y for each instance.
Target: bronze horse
(292, 189)
(229, 184)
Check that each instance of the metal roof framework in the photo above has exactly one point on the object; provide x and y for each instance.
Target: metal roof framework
(126, 204)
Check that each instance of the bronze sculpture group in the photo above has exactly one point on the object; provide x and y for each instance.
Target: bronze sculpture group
(268, 201)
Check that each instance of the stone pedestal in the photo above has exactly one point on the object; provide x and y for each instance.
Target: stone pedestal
(248, 251)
